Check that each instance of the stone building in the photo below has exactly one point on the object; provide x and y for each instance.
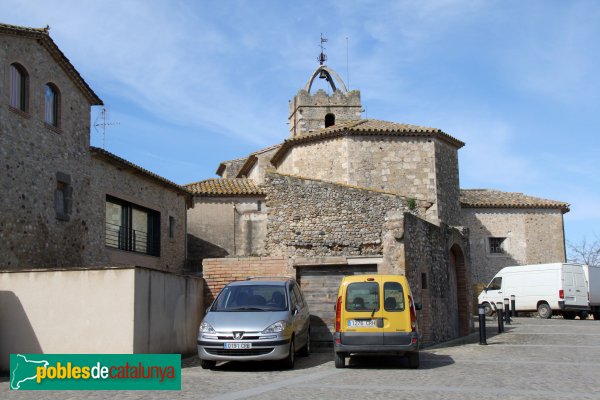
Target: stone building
(59, 192)
(342, 195)
(104, 239)
(345, 195)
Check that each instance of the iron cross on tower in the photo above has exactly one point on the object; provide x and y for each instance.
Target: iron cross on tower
(322, 57)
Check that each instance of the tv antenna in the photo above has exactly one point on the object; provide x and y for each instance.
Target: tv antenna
(103, 115)
(322, 57)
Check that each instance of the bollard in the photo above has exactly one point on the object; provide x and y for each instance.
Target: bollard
(506, 312)
(482, 333)
(513, 307)
(499, 312)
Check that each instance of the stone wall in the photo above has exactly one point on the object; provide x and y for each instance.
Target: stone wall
(109, 179)
(217, 272)
(226, 227)
(405, 166)
(447, 183)
(444, 291)
(34, 155)
(533, 236)
(307, 112)
(311, 218)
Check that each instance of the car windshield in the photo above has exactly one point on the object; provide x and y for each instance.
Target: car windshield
(251, 298)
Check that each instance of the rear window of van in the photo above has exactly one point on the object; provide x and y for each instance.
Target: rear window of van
(362, 296)
(393, 296)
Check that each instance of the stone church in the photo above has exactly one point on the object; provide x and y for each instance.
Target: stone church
(347, 195)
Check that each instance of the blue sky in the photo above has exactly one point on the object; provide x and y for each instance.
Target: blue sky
(193, 83)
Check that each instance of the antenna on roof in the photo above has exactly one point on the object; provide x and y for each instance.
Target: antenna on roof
(104, 116)
(322, 57)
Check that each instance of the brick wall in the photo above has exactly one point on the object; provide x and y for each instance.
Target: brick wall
(218, 272)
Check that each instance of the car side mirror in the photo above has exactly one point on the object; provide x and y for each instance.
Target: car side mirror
(418, 306)
(296, 310)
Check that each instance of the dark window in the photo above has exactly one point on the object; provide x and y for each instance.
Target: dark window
(63, 196)
(171, 227)
(19, 87)
(131, 227)
(495, 284)
(393, 296)
(362, 296)
(423, 280)
(259, 205)
(497, 245)
(293, 299)
(329, 120)
(51, 105)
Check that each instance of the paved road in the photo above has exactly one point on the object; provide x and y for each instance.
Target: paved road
(535, 359)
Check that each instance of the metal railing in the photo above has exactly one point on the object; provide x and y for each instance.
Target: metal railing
(138, 241)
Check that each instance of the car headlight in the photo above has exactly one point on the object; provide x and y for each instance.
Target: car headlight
(205, 327)
(278, 326)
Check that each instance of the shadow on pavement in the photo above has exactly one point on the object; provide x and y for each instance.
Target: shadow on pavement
(428, 361)
(311, 361)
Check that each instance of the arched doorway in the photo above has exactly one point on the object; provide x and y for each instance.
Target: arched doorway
(459, 292)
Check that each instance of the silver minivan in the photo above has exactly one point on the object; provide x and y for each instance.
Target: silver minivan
(256, 319)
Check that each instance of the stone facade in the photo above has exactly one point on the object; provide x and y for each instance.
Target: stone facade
(226, 227)
(31, 233)
(307, 112)
(54, 201)
(110, 179)
(447, 187)
(310, 218)
(438, 271)
(533, 236)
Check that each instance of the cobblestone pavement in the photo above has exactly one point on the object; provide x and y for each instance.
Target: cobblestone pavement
(534, 359)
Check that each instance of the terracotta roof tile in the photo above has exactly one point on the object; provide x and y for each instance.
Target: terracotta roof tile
(366, 127)
(225, 187)
(42, 35)
(489, 198)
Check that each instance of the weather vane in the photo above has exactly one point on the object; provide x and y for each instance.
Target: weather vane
(322, 57)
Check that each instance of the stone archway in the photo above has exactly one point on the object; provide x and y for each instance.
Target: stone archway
(458, 280)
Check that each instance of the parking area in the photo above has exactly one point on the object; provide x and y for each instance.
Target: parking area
(534, 359)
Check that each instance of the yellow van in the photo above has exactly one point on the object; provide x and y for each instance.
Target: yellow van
(376, 314)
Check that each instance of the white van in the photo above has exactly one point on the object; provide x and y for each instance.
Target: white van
(546, 288)
(592, 275)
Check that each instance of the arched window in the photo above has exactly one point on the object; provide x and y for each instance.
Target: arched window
(19, 87)
(51, 104)
(329, 120)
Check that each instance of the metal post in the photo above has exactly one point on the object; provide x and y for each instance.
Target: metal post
(500, 314)
(482, 333)
(513, 307)
(506, 312)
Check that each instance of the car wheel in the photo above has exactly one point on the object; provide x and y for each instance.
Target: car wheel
(413, 360)
(340, 360)
(544, 311)
(305, 351)
(288, 362)
(207, 364)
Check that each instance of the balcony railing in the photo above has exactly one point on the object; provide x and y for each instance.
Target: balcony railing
(138, 241)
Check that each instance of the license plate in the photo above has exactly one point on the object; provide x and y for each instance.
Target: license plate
(237, 345)
(362, 323)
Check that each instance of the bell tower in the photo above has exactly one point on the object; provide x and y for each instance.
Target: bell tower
(312, 112)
